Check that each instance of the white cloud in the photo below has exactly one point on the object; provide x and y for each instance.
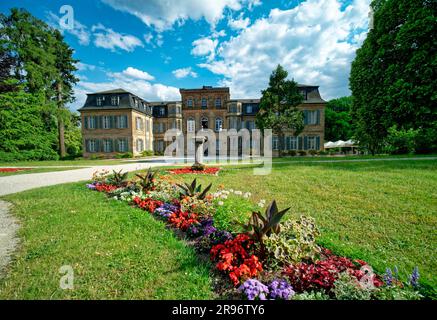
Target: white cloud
(84, 66)
(109, 39)
(163, 14)
(140, 87)
(137, 74)
(218, 34)
(204, 47)
(184, 72)
(239, 23)
(79, 30)
(315, 41)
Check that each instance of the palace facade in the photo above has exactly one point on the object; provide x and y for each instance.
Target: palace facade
(118, 121)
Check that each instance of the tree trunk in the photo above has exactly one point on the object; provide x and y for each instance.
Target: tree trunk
(61, 128)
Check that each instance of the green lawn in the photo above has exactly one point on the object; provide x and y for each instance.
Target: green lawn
(34, 170)
(381, 211)
(117, 252)
(384, 212)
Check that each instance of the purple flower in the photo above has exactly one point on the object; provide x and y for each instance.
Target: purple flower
(165, 211)
(281, 289)
(388, 277)
(91, 186)
(414, 278)
(253, 289)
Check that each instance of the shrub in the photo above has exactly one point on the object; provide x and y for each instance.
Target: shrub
(234, 258)
(292, 153)
(295, 242)
(347, 287)
(124, 155)
(401, 141)
(147, 153)
(198, 167)
(312, 152)
(302, 153)
(97, 157)
(322, 153)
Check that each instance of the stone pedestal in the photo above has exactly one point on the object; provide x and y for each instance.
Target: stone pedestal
(198, 145)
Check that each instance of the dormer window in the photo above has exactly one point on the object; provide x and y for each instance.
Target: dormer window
(99, 101)
(115, 100)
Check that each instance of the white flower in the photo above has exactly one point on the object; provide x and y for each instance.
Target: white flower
(238, 193)
(261, 204)
(231, 190)
(247, 195)
(224, 196)
(220, 203)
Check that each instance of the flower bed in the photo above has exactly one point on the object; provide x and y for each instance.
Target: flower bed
(190, 170)
(13, 169)
(265, 258)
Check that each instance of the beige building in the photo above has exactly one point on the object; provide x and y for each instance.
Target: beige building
(117, 121)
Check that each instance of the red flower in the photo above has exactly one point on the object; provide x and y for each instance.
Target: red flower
(189, 170)
(103, 187)
(233, 257)
(147, 204)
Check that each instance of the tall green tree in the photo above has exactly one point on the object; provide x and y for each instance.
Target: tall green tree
(63, 85)
(338, 119)
(44, 66)
(278, 106)
(393, 78)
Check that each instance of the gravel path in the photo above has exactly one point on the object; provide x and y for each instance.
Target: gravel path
(8, 238)
(21, 182)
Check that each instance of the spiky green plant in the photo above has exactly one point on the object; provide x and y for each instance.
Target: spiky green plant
(147, 180)
(261, 226)
(118, 178)
(193, 190)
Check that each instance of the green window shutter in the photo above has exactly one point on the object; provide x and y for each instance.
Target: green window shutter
(318, 116)
(97, 145)
(87, 148)
(317, 143)
(111, 122)
(305, 143)
(100, 122)
(85, 119)
(127, 144)
(300, 143)
(115, 142)
(111, 146)
(126, 122)
(305, 117)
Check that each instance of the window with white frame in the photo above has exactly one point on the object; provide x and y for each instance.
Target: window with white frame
(218, 102)
(191, 125)
(140, 145)
(291, 143)
(92, 145)
(99, 101)
(250, 124)
(139, 123)
(218, 124)
(233, 123)
(122, 145)
(107, 145)
(189, 102)
(312, 145)
(312, 117)
(249, 109)
(92, 122)
(106, 122)
(275, 143)
(115, 100)
(204, 102)
(122, 122)
(147, 125)
(162, 111)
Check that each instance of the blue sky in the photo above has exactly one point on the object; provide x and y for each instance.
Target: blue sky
(154, 47)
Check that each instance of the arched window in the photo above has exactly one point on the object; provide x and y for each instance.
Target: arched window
(218, 124)
(191, 125)
(204, 123)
